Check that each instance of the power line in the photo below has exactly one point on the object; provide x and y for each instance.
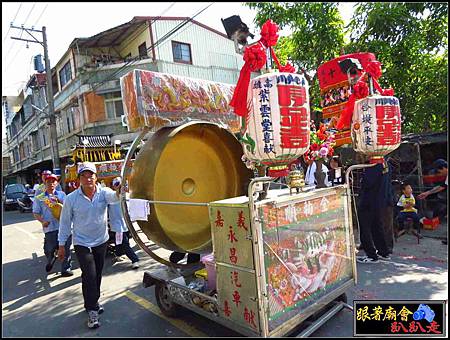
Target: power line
(23, 24)
(134, 38)
(12, 21)
(133, 60)
(40, 15)
(29, 13)
(159, 42)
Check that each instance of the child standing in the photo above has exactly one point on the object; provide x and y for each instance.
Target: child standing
(407, 203)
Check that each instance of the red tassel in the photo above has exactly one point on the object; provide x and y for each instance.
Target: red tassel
(239, 100)
(255, 58)
(346, 116)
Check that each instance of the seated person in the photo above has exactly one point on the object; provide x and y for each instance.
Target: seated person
(335, 175)
(440, 207)
(407, 202)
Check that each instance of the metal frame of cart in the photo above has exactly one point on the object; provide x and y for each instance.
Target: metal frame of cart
(171, 286)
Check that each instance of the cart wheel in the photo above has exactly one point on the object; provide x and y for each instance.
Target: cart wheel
(164, 301)
(342, 298)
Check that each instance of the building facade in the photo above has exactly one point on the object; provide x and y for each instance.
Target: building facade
(86, 84)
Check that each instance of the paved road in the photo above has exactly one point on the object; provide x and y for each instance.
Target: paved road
(39, 305)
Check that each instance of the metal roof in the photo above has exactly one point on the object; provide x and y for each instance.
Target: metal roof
(116, 35)
(425, 137)
(94, 141)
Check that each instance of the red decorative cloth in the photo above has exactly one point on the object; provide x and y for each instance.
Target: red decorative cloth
(287, 68)
(388, 92)
(360, 90)
(374, 69)
(269, 33)
(255, 58)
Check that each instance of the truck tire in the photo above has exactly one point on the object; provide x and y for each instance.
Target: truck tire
(164, 301)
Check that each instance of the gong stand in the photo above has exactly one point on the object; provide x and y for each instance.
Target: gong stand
(126, 215)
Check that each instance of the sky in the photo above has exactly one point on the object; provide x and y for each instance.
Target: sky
(66, 21)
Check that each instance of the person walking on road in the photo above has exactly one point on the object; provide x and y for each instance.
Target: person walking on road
(42, 211)
(84, 215)
(40, 187)
(119, 228)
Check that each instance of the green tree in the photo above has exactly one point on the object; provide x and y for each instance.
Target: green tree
(317, 36)
(410, 40)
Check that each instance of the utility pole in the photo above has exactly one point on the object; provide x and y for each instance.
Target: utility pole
(51, 106)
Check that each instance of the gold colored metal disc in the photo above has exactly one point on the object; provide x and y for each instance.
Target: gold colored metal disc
(195, 162)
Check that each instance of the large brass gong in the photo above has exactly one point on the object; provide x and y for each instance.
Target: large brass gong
(194, 162)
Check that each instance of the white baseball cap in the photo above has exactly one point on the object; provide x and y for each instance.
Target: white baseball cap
(87, 166)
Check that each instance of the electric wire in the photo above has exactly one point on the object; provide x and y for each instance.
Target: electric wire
(29, 13)
(134, 38)
(12, 21)
(159, 42)
(39, 18)
(21, 46)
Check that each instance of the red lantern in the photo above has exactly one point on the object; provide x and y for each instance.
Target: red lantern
(376, 125)
(276, 130)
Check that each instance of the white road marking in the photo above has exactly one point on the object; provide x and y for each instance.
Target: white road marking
(26, 232)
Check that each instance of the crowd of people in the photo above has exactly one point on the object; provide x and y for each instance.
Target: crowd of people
(83, 221)
(81, 218)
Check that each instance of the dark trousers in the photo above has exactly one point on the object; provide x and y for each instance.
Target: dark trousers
(372, 232)
(91, 263)
(51, 245)
(125, 249)
(176, 257)
(403, 216)
(387, 219)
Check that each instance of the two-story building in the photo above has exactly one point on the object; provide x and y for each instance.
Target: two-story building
(86, 83)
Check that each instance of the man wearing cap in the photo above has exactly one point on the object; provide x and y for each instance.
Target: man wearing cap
(85, 216)
(42, 211)
(40, 188)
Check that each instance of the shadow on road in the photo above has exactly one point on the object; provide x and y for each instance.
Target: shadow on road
(13, 217)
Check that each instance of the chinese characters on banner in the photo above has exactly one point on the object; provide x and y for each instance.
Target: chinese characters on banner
(277, 126)
(396, 317)
(233, 250)
(376, 127)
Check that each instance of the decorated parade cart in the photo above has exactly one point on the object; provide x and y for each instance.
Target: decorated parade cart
(99, 150)
(272, 258)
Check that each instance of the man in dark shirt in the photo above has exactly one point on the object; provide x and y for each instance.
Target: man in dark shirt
(375, 197)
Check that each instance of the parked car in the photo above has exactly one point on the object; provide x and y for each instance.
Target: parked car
(11, 193)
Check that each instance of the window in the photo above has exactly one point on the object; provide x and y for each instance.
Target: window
(181, 52)
(65, 74)
(21, 151)
(16, 155)
(142, 50)
(36, 142)
(70, 120)
(44, 132)
(113, 105)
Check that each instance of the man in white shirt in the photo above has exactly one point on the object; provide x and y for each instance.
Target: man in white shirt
(309, 175)
(84, 216)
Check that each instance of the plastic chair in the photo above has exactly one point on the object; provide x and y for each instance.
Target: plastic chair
(408, 229)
